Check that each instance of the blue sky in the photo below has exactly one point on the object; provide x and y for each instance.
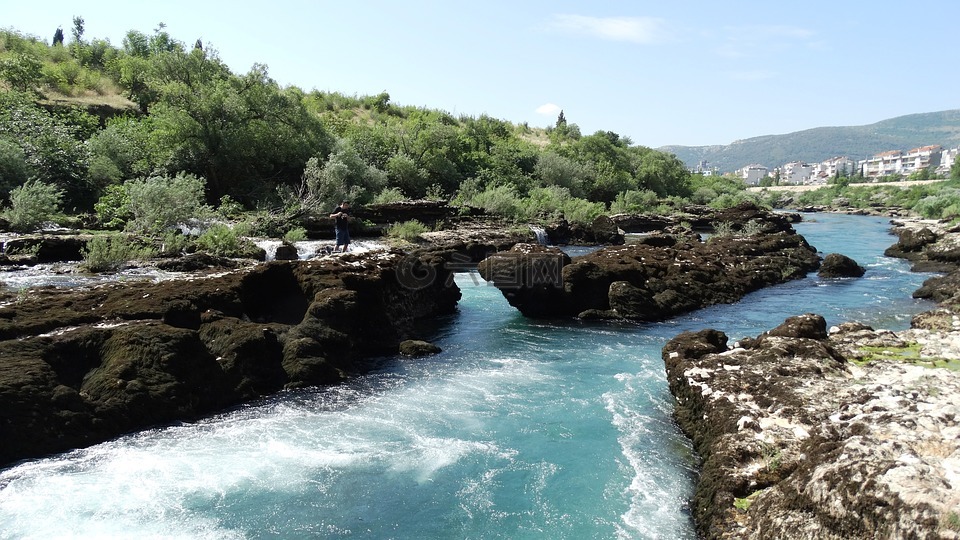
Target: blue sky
(678, 72)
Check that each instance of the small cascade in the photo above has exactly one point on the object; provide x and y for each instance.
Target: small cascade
(541, 234)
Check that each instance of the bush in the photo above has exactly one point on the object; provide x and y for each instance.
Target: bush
(408, 230)
(229, 208)
(296, 234)
(499, 199)
(13, 167)
(109, 253)
(221, 240)
(160, 203)
(634, 202)
(389, 195)
(113, 208)
(32, 204)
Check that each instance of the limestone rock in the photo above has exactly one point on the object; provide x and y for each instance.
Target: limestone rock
(798, 442)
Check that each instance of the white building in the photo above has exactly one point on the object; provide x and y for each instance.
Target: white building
(796, 172)
(947, 159)
(827, 169)
(903, 163)
(753, 174)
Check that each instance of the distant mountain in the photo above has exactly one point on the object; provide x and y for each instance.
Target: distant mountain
(817, 144)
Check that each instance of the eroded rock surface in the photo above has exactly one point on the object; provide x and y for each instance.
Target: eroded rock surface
(81, 366)
(662, 276)
(800, 441)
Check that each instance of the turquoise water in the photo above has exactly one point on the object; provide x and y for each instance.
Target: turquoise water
(519, 429)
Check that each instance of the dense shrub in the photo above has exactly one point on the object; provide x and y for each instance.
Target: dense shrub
(389, 195)
(109, 253)
(408, 230)
(941, 206)
(113, 208)
(222, 240)
(296, 234)
(32, 204)
(634, 202)
(13, 167)
(159, 203)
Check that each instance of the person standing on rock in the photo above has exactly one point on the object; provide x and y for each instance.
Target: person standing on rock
(341, 216)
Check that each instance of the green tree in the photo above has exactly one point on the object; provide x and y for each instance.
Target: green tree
(344, 176)
(158, 203)
(32, 204)
(955, 169)
(234, 131)
(54, 152)
(22, 71)
(13, 167)
(58, 37)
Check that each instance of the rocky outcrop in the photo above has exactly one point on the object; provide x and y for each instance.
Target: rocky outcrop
(81, 366)
(851, 435)
(836, 265)
(931, 246)
(661, 276)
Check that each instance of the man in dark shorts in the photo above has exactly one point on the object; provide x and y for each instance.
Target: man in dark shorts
(341, 216)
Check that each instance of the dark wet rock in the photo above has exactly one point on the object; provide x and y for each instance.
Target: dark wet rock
(797, 441)
(808, 326)
(930, 246)
(647, 281)
(643, 223)
(193, 262)
(286, 252)
(940, 288)
(46, 248)
(82, 366)
(836, 265)
(605, 231)
(417, 348)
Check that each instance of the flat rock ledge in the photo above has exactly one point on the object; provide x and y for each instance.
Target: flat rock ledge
(851, 434)
(81, 366)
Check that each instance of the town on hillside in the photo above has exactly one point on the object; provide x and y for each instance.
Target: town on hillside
(928, 161)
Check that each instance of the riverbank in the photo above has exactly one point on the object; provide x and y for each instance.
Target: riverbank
(851, 432)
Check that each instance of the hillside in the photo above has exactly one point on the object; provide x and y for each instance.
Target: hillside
(818, 144)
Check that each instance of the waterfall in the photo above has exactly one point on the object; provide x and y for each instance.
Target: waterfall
(541, 234)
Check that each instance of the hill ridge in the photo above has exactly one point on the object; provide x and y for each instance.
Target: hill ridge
(817, 144)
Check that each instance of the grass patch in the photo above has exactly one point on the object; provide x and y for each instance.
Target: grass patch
(408, 230)
(744, 504)
(910, 353)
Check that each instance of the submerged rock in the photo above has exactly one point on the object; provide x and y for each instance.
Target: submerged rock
(798, 441)
(416, 347)
(81, 366)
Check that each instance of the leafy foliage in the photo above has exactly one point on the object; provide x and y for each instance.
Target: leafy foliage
(221, 240)
(108, 253)
(408, 230)
(159, 203)
(32, 204)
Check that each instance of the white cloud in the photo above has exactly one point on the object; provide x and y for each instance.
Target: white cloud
(633, 29)
(548, 109)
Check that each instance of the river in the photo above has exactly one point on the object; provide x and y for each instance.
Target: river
(518, 429)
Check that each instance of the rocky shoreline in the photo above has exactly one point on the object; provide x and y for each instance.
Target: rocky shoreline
(850, 432)
(84, 365)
